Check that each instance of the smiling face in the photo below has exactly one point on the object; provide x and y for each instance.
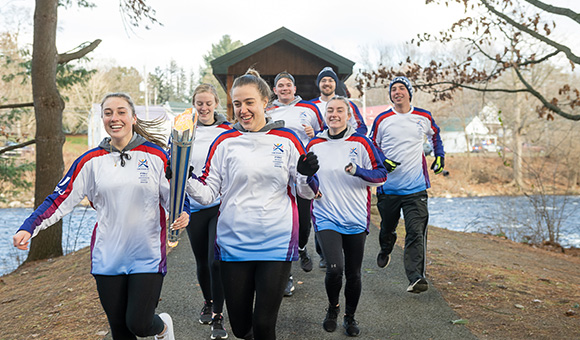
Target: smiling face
(249, 107)
(400, 97)
(205, 104)
(337, 116)
(327, 86)
(285, 90)
(118, 118)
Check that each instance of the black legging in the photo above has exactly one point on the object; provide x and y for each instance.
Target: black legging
(201, 231)
(304, 221)
(333, 244)
(129, 302)
(264, 279)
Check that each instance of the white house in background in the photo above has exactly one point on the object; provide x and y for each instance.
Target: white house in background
(97, 132)
(469, 134)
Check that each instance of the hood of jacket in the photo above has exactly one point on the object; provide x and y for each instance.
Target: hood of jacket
(218, 119)
(135, 141)
(269, 125)
(276, 102)
(349, 132)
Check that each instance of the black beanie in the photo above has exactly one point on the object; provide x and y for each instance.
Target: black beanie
(326, 72)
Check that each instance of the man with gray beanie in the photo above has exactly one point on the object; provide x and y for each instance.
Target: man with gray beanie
(399, 133)
(327, 82)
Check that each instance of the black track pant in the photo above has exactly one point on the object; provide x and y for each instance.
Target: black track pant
(343, 253)
(129, 302)
(416, 215)
(262, 280)
(201, 231)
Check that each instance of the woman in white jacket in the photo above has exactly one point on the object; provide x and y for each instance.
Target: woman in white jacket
(349, 166)
(124, 179)
(254, 168)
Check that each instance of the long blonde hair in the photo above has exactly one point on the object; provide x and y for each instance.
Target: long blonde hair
(144, 128)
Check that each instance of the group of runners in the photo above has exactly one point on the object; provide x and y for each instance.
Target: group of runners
(256, 190)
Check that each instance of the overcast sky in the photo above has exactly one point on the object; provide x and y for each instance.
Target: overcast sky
(190, 27)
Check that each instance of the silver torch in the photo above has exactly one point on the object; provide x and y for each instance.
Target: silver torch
(182, 136)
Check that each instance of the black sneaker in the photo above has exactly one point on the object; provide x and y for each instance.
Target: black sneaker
(288, 291)
(205, 315)
(322, 263)
(329, 323)
(350, 326)
(305, 260)
(217, 328)
(419, 286)
(383, 259)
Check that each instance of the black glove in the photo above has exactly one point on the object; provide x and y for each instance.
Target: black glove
(307, 164)
(390, 165)
(438, 164)
(190, 171)
(168, 172)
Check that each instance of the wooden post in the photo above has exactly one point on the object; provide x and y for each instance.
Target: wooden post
(230, 106)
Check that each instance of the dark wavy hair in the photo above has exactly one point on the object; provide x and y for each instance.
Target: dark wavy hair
(144, 128)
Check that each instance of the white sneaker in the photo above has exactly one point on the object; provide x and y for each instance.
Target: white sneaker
(168, 334)
(419, 286)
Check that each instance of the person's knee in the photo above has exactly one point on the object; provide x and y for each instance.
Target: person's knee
(414, 233)
(215, 266)
(116, 324)
(353, 276)
(333, 271)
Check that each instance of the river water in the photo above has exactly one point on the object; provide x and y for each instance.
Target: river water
(514, 217)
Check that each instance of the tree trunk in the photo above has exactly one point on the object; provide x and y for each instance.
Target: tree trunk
(517, 145)
(48, 108)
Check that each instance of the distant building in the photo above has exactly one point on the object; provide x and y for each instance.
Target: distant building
(280, 50)
(477, 133)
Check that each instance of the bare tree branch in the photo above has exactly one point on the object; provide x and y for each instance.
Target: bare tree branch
(544, 101)
(17, 146)
(64, 58)
(16, 106)
(474, 88)
(574, 58)
(556, 10)
(541, 60)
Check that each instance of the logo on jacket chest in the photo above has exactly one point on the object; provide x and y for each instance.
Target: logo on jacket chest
(143, 169)
(353, 155)
(277, 155)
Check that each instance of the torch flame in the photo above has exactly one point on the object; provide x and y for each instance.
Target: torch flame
(184, 121)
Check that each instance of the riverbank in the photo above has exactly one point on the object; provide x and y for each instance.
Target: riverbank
(476, 174)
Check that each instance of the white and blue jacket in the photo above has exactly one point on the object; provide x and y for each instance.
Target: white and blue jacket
(255, 174)
(130, 193)
(345, 205)
(400, 137)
